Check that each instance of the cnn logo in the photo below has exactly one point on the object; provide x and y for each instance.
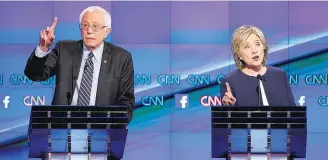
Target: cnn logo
(207, 101)
(34, 100)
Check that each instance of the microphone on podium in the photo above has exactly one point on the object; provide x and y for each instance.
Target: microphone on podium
(259, 77)
(69, 97)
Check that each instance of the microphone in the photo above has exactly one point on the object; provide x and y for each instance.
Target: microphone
(259, 77)
(76, 86)
(68, 96)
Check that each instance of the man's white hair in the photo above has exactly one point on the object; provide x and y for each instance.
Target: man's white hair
(108, 18)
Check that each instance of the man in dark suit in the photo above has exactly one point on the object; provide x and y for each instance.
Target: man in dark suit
(89, 71)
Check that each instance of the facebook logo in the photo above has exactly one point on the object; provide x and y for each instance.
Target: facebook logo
(301, 101)
(181, 101)
(6, 101)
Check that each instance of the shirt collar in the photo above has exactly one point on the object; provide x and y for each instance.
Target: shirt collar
(97, 52)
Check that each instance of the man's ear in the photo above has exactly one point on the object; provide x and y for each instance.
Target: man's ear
(107, 31)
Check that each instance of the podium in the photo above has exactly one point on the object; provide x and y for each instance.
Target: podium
(68, 130)
(286, 127)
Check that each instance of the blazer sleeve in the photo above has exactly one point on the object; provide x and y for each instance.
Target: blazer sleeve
(41, 69)
(126, 89)
(289, 91)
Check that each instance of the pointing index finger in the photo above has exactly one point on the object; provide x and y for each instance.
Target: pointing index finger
(228, 87)
(54, 22)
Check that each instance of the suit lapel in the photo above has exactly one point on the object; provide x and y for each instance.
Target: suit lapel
(77, 58)
(103, 73)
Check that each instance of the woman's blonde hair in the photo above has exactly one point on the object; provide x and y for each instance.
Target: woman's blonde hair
(239, 36)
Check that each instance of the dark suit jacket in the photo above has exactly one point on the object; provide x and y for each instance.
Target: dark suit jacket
(245, 88)
(115, 83)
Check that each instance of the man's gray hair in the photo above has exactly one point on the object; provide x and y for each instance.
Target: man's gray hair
(108, 19)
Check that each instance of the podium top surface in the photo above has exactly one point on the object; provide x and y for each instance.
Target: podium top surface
(78, 117)
(259, 117)
(65, 108)
(258, 108)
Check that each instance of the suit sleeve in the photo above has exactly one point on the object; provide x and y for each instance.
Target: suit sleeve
(126, 90)
(41, 69)
(289, 91)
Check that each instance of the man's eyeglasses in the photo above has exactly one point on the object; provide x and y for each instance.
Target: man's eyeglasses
(95, 27)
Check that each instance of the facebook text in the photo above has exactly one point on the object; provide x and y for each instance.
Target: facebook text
(181, 100)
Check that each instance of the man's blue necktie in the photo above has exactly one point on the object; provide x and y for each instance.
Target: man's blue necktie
(86, 83)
